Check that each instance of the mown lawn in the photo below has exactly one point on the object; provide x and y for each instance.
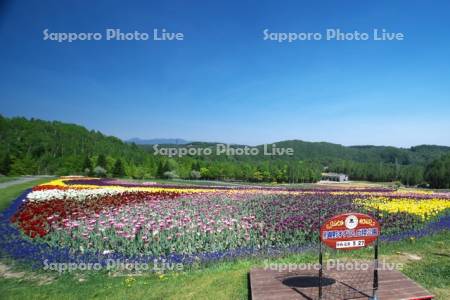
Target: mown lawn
(6, 178)
(430, 266)
(8, 194)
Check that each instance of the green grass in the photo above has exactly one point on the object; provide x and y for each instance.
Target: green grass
(6, 178)
(10, 193)
(226, 280)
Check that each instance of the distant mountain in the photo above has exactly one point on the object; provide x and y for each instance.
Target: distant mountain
(326, 153)
(139, 141)
(323, 151)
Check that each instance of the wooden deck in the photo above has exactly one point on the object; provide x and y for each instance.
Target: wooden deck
(393, 285)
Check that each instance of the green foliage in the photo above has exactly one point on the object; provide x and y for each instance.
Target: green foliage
(195, 174)
(99, 171)
(410, 175)
(170, 175)
(40, 147)
(23, 166)
(101, 161)
(437, 173)
(196, 166)
(87, 166)
(118, 169)
(223, 280)
(5, 165)
(163, 167)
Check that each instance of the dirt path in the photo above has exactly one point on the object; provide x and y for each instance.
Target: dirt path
(21, 180)
(7, 272)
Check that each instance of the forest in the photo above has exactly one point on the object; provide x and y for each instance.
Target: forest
(32, 146)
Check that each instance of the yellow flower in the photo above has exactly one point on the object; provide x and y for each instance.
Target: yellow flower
(424, 208)
(129, 281)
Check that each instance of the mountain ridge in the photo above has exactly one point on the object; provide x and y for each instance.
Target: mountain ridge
(33, 146)
(164, 141)
(323, 151)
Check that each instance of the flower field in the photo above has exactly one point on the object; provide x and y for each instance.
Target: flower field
(88, 219)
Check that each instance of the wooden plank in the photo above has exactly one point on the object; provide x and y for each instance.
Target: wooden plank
(393, 285)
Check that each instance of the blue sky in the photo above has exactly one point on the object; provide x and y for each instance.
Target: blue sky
(223, 82)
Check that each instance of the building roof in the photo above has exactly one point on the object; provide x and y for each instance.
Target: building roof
(333, 174)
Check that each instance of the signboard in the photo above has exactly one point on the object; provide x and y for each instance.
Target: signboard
(349, 231)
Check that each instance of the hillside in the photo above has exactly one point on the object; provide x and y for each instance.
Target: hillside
(328, 152)
(139, 141)
(42, 147)
(31, 146)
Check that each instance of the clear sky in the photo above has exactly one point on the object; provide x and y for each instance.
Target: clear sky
(224, 82)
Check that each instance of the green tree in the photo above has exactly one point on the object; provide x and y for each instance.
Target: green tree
(437, 173)
(101, 161)
(204, 172)
(118, 169)
(257, 176)
(159, 169)
(87, 166)
(196, 166)
(5, 166)
(163, 166)
(99, 171)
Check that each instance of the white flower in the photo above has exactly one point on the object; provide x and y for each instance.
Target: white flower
(73, 194)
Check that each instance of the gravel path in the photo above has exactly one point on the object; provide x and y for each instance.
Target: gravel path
(22, 180)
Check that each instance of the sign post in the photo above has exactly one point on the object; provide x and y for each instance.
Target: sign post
(320, 258)
(348, 232)
(375, 272)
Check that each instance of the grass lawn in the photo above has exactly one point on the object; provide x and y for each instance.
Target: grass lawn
(6, 178)
(426, 260)
(8, 194)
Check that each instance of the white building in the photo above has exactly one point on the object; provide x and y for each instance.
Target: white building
(334, 177)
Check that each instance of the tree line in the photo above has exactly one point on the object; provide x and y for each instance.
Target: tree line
(437, 174)
(31, 146)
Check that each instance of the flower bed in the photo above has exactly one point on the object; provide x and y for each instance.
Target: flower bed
(94, 218)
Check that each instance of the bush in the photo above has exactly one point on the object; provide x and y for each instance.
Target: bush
(196, 174)
(170, 175)
(99, 171)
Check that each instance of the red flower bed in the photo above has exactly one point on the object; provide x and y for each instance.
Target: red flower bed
(45, 187)
(35, 218)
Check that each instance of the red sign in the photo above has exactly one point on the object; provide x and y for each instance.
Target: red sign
(349, 231)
